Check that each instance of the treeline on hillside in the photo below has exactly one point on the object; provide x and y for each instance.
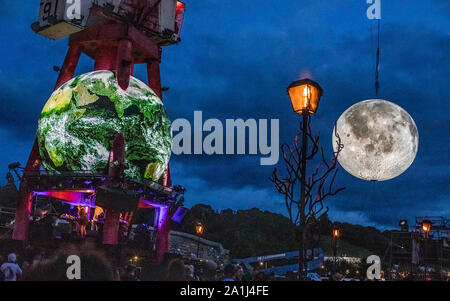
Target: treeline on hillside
(254, 232)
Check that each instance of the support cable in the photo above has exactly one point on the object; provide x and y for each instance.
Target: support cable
(377, 67)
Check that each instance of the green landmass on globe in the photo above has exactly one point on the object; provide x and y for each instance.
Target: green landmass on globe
(79, 122)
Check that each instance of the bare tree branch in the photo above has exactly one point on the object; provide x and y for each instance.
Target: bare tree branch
(304, 212)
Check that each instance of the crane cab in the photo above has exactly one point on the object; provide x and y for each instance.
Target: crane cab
(161, 20)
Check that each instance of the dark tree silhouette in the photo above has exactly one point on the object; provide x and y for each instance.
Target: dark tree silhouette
(305, 213)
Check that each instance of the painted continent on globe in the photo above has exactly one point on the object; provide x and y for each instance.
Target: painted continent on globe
(81, 119)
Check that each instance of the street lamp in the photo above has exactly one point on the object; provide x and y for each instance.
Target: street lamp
(336, 233)
(426, 227)
(305, 97)
(199, 228)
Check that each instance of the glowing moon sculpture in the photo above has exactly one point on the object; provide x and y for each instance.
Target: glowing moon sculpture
(380, 140)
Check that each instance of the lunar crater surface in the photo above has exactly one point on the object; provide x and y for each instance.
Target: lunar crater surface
(380, 140)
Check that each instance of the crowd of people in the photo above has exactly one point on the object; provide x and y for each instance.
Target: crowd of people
(34, 264)
(37, 265)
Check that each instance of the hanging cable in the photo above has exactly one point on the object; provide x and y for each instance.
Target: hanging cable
(377, 67)
(373, 202)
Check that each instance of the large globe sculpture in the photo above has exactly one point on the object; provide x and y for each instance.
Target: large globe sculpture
(82, 118)
(380, 140)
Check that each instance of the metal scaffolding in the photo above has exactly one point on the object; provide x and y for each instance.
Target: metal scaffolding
(424, 255)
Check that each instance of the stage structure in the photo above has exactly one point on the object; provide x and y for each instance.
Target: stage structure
(116, 34)
(424, 244)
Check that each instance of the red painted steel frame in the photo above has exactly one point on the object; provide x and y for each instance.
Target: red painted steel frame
(112, 218)
(69, 65)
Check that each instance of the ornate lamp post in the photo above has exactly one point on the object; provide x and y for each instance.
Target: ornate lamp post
(199, 229)
(305, 97)
(336, 233)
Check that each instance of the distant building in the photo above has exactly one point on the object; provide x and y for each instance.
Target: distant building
(186, 244)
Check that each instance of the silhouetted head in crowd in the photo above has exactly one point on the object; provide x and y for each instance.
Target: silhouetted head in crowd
(228, 271)
(219, 274)
(238, 273)
(189, 272)
(130, 273)
(259, 276)
(175, 271)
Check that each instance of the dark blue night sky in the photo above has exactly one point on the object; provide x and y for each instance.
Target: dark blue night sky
(236, 59)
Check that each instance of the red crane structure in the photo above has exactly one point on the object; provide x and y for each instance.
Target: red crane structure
(116, 34)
